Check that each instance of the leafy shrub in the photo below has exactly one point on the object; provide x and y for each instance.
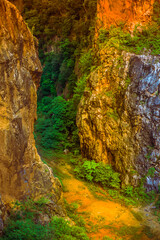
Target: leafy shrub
(99, 173)
(72, 213)
(107, 238)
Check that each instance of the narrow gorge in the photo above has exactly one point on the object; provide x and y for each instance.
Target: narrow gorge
(80, 119)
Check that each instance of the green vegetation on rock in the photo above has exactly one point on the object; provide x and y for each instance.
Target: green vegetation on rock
(147, 39)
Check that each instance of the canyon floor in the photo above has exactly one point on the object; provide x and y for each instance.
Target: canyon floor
(105, 218)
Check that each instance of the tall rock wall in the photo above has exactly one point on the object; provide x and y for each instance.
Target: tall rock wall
(22, 174)
(119, 114)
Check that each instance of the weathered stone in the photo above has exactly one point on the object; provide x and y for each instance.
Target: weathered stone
(22, 173)
(123, 127)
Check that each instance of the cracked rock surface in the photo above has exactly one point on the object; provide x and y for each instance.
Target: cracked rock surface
(119, 116)
(22, 173)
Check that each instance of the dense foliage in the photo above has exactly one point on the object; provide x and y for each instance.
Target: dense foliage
(58, 229)
(148, 39)
(63, 29)
(56, 124)
(48, 19)
(25, 223)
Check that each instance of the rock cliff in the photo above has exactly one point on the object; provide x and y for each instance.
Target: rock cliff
(119, 120)
(22, 174)
(119, 114)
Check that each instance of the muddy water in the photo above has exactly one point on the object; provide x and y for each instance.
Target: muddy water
(103, 217)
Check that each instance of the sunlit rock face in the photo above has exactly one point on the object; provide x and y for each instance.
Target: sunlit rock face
(128, 12)
(22, 174)
(119, 115)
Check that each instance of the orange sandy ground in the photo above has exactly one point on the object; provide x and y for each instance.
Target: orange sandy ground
(98, 213)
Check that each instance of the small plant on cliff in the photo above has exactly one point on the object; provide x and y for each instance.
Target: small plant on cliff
(85, 61)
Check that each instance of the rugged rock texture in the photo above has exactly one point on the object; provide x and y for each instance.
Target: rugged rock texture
(129, 12)
(119, 115)
(18, 4)
(22, 173)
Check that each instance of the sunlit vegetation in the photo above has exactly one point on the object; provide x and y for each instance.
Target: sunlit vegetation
(99, 173)
(146, 39)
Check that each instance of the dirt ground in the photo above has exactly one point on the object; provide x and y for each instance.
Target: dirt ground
(106, 219)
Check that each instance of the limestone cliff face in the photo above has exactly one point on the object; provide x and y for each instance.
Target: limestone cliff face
(22, 173)
(129, 12)
(119, 115)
